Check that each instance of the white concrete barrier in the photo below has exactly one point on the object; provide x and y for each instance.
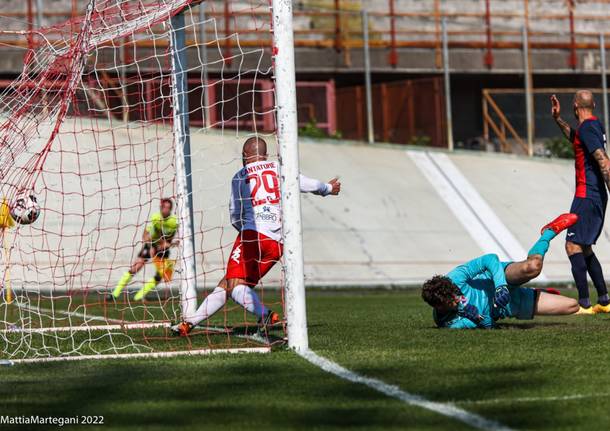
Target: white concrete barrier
(390, 226)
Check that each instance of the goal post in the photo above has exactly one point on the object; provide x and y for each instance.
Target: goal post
(287, 136)
(182, 149)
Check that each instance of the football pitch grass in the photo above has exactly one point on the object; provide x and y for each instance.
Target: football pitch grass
(547, 374)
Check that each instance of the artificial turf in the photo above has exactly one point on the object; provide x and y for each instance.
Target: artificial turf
(547, 374)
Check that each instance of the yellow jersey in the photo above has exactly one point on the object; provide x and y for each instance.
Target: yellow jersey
(162, 228)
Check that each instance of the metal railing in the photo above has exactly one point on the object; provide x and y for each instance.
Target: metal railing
(337, 27)
(438, 29)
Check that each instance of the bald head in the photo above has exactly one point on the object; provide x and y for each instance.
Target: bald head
(254, 150)
(583, 99)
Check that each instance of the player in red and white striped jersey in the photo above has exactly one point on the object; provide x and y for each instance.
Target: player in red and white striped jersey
(256, 214)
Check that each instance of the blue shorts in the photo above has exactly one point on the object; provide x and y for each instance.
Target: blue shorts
(591, 213)
(522, 303)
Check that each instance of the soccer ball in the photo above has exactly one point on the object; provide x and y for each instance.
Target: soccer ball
(25, 208)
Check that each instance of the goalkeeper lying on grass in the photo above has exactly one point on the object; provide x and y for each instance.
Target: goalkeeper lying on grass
(485, 290)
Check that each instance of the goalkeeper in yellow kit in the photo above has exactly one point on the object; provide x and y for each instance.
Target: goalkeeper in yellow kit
(158, 238)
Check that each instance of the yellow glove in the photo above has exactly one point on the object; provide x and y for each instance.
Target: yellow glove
(6, 221)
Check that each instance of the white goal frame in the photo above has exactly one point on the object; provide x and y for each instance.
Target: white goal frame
(287, 136)
(287, 141)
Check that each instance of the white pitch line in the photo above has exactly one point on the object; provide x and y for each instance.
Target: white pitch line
(70, 313)
(469, 207)
(199, 352)
(118, 326)
(479, 206)
(535, 399)
(115, 327)
(456, 204)
(393, 391)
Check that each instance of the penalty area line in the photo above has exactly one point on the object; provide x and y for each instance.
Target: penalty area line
(445, 409)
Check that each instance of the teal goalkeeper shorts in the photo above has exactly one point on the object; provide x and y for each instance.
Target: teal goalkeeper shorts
(522, 303)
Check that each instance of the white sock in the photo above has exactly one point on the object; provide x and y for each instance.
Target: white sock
(210, 305)
(248, 299)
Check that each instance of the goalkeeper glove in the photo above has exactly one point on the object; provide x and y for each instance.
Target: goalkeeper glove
(470, 312)
(502, 296)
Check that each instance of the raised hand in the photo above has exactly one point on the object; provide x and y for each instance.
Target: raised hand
(555, 112)
(555, 107)
(336, 186)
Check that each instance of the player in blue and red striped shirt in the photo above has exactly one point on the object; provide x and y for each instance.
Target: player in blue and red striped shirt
(592, 177)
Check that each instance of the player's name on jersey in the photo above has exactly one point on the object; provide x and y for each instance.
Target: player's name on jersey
(260, 167)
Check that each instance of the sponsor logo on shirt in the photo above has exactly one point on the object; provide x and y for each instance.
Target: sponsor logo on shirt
(236, 255)
(266, 215)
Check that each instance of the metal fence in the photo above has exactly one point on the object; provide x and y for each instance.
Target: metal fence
(484, 24)
(356, 28)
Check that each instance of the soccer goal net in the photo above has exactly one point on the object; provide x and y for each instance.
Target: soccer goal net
(131, 102)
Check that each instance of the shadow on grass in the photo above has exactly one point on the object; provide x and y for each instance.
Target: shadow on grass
(507, 325)
(231, 393)
(532, 325)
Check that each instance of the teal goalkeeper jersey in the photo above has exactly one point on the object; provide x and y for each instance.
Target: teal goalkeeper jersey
(477, 281)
